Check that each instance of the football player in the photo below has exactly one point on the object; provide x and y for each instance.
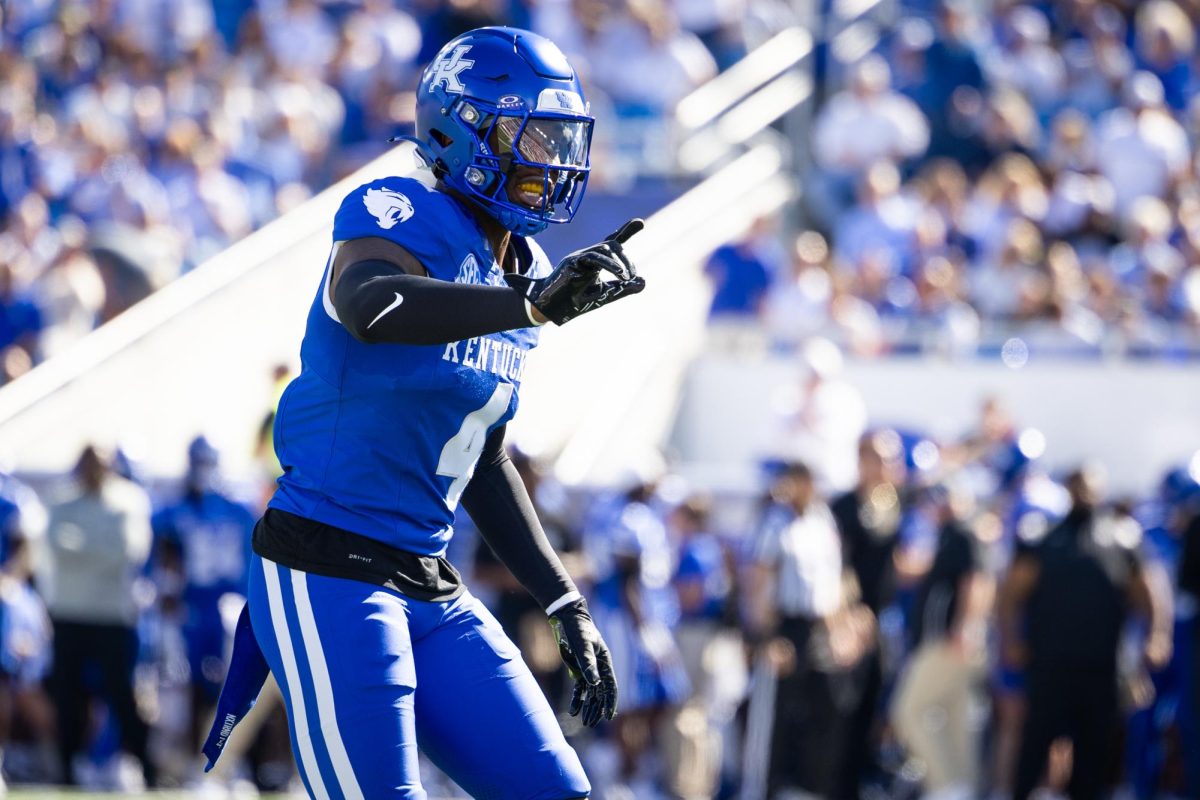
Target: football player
(204, 534)
(412, 362)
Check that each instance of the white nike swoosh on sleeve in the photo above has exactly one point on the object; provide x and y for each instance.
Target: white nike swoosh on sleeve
(399, 299)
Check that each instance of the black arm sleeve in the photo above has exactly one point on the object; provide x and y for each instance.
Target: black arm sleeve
(500, 507)
(377, 302)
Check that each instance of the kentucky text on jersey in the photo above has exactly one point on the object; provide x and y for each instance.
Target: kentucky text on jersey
(485, 353)
(381, 439)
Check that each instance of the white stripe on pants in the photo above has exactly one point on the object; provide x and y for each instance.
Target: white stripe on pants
(324, 724)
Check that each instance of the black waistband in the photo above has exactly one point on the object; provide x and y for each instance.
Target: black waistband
(304, 544)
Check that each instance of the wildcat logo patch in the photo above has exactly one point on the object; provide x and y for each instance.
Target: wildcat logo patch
(387, 206)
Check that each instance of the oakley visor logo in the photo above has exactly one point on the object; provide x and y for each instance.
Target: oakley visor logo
(447, 69)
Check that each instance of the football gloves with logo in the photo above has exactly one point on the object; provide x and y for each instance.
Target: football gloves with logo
(576, 285)
(588, 661)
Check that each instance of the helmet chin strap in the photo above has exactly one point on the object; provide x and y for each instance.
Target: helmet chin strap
(519, 223)
(511, 220)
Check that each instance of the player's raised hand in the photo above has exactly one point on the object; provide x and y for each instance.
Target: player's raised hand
(614, 245)
(576, 285)
(588, 661)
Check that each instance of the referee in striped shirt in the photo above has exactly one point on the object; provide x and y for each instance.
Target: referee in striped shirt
(812, 635)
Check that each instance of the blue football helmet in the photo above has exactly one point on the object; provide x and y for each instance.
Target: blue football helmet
(501, 118)
(203, 462)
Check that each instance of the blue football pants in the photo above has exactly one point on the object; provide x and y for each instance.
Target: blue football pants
(368, 674)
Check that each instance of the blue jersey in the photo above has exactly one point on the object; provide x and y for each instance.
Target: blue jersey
(381, 439)
(213, 535)
(702, 560)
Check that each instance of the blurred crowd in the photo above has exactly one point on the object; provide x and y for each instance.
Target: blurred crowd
(989, 172)
(953, 621)
(996, 170)
(140, 137)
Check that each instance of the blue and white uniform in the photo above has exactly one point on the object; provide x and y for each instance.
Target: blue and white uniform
(645, 655)
(380, 440)
(212, 534)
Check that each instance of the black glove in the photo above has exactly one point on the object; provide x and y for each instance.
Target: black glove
(575, 286)
(588, 661)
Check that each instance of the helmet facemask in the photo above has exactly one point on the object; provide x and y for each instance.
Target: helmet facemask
(527, 169)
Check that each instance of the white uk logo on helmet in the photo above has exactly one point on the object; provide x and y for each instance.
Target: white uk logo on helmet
(447, 69)
(387, 206)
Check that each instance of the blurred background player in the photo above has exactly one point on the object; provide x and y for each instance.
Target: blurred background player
(202, 540)
(711, 649)
(637, 609)
(26, 638)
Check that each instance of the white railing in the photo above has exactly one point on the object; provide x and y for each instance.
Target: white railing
(720, 95)
(720, 118)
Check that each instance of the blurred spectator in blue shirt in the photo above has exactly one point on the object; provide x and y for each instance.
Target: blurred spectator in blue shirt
(702, 576)
(1165, 45)
(25, 655)
(1140, 148)
(22, 516)
(742, 272)
(955, 80)
(301, 37)
(20, 324)
(1165, 519)
(719, 24)
(227, 19)
(1098, 65)
(906, 56)
(885, 219)
(1026, 60)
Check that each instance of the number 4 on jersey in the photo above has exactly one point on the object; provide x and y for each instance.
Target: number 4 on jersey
(462, 451)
